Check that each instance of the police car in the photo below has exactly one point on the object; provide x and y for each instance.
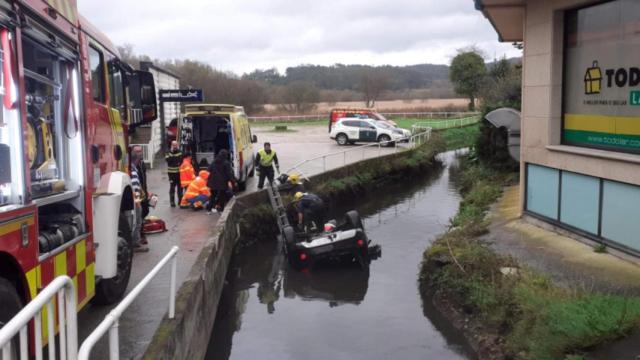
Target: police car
(352, 130)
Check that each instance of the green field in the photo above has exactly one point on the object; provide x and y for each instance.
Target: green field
(402, 122)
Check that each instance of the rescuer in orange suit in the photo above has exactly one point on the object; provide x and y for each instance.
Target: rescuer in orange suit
(198, 193)
(187, 173)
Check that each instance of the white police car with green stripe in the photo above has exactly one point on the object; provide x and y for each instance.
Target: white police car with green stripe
(352, 130)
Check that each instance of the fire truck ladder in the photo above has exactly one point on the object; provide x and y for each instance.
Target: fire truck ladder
(278, 207)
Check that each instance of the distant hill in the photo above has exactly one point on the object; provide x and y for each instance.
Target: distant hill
(348, 77)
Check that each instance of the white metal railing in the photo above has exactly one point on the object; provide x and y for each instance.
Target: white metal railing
(391, 115)
(430, 115)
(342, 156)
(148, 153)
(62, 286)
(446, 124)
(110, 322)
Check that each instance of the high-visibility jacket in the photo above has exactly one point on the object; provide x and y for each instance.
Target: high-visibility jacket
(187, 173)
(197, 187)
(267, 159)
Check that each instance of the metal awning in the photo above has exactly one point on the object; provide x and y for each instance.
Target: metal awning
(506, 16)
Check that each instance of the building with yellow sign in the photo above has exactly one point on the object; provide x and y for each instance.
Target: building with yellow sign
(580, 130)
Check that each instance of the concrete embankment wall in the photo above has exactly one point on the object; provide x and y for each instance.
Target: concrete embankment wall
(187, 335)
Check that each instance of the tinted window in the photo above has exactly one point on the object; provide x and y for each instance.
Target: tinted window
(367, 125)
(350, 123)
(96, 64)
(117, 87)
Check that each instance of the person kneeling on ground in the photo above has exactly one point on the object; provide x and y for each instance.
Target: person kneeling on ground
(187, 174)
(221, 181)
(197, 195)
(310, 209)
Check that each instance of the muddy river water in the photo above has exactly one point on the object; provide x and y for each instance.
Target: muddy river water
(270, 311)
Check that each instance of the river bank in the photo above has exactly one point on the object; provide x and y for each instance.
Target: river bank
(343, 311)
(506, 308)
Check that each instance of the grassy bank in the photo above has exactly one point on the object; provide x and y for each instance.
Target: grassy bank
(405, 123)
(463, 137)
(373, 174)
(517, 312)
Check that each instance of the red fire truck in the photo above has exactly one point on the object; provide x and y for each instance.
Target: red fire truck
(66, 202)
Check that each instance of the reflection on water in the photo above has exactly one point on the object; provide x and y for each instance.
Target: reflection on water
(272, 311)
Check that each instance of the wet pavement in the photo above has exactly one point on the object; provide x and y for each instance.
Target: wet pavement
(306, 142)
(567, 261)
(274, 312)
(189, 231)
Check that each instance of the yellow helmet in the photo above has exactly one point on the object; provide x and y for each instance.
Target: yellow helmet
(294, 178)
(298, 195)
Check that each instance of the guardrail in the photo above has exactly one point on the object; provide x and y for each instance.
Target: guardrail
(413, 141)
(391, 115)
(446, 124)
(110, 322)
(62, 286)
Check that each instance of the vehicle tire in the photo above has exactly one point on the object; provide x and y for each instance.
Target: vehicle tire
(353, 220)
(342, 139)
(109, 291)
(10, 305)
(289, 235)
(384, 139)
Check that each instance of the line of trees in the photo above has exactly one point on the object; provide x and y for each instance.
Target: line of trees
(496, 85)
(301, 87)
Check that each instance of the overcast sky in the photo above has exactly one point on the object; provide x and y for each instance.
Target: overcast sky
(242, 35)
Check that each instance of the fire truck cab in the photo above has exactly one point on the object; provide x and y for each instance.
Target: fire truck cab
(66, 201)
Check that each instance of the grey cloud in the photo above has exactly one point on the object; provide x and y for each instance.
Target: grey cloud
(240, 35)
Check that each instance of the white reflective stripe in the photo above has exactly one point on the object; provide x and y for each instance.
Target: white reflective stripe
(324, 240)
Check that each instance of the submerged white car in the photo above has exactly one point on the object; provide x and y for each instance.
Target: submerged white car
(352, 130)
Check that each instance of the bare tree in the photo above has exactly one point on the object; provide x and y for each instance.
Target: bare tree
(372, 84)
(299, 97)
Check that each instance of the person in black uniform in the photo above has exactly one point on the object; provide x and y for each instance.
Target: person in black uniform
(310, 210)
(221, 181)
(174, 160)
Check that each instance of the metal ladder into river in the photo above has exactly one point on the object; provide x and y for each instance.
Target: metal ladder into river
(278, 206)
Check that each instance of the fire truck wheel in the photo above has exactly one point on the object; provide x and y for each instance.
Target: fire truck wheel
(10, 305)
(109, 291)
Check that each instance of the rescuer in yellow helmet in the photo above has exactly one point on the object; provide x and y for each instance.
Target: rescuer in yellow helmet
(310, 211)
